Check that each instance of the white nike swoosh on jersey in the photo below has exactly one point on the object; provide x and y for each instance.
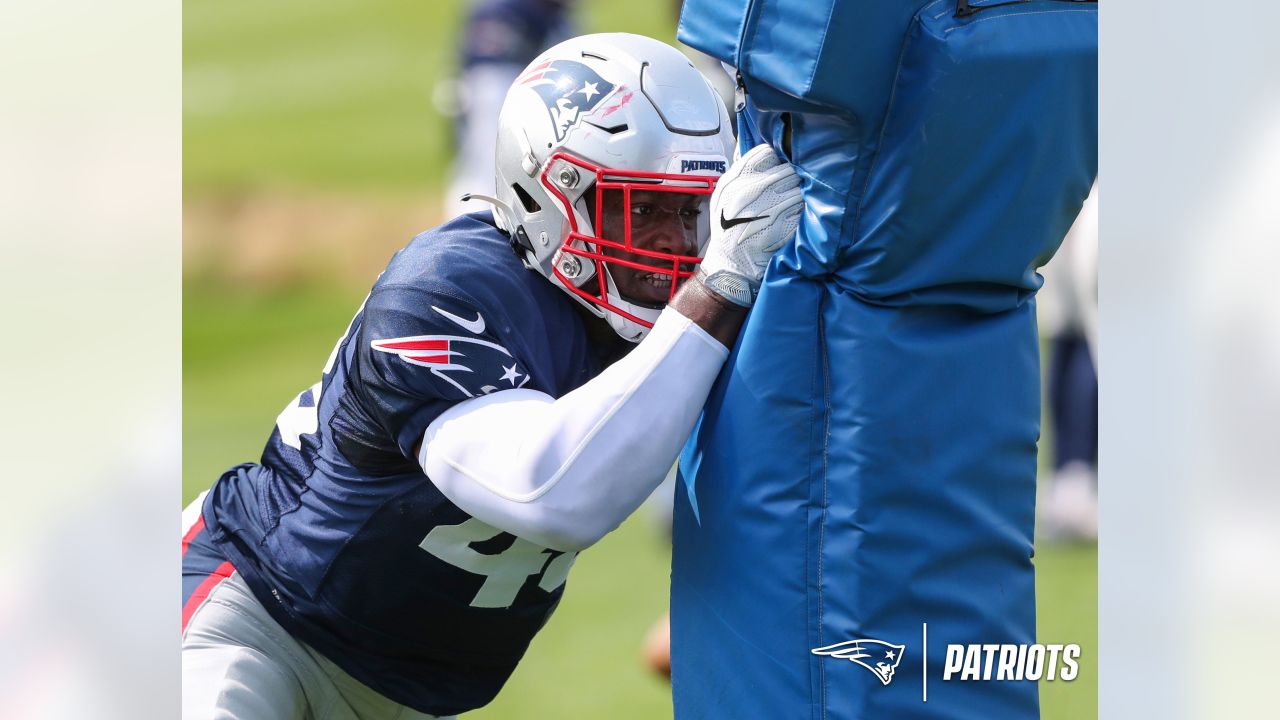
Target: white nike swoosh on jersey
(476, 326)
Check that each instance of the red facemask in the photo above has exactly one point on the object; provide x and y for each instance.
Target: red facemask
(654, 268)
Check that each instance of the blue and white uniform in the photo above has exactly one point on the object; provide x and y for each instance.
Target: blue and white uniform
(421, 589)
(413, 519)
(330, 530)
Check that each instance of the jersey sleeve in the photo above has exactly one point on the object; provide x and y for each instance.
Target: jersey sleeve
(420, 352)
(563, 472)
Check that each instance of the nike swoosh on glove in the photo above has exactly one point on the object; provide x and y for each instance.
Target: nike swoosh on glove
(755, 210)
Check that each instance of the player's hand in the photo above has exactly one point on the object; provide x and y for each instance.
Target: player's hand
(754, 211)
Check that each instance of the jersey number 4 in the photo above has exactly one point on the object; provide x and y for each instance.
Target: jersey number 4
(505, 572)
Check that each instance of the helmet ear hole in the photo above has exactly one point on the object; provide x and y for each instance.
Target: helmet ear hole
(530, 205)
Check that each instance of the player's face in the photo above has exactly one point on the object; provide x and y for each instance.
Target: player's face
(665, 222)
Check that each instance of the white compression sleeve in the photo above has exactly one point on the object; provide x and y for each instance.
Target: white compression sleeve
(562, 473)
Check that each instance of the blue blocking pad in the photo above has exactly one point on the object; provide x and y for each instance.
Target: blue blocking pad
(866, 463)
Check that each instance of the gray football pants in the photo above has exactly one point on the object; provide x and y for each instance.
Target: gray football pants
(239, 664)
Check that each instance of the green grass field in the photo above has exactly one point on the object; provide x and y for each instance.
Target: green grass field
(333, 100)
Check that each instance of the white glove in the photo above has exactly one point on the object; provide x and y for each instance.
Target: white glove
(755, 210)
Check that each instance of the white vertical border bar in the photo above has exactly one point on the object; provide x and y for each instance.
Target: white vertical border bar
(924, 662)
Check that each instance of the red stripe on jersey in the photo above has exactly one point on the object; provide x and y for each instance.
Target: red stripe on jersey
(192, 533)
(202, 591)
(413, 345)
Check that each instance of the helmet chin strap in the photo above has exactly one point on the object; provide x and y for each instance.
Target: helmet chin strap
(506, 221)
(507, 215)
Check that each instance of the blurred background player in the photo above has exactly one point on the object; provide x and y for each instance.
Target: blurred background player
(499, 39)
(1067, 313)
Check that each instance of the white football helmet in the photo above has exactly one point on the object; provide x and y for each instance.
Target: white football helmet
(603, 116)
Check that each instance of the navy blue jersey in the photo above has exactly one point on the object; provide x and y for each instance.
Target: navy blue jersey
(338, 531)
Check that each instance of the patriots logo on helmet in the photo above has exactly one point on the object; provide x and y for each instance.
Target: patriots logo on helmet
(569, 89)
(446, 354)
(878, 656)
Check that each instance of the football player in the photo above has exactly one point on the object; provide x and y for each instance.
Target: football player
(514, 386)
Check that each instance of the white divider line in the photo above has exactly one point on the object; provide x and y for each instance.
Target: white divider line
(924, 662)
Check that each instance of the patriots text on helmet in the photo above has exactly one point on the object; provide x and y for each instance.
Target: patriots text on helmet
(715, 166)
